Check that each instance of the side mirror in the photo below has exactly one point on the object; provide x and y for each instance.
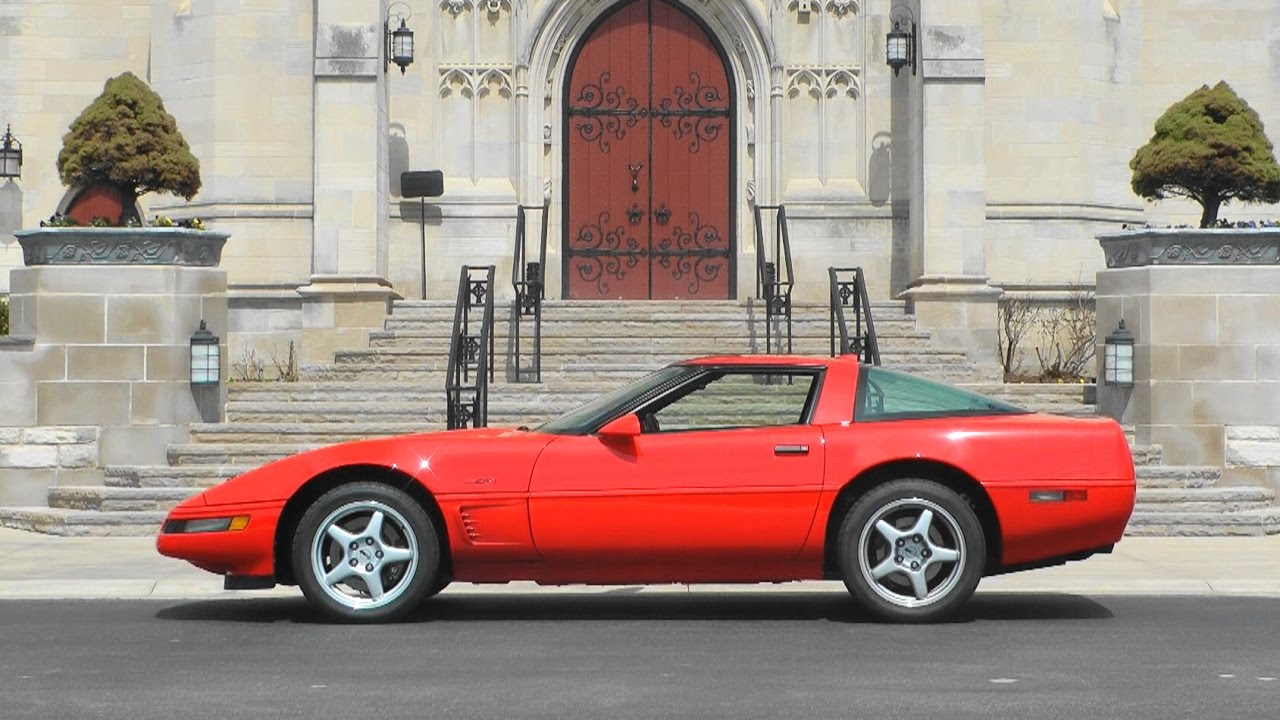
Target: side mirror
(625, 427)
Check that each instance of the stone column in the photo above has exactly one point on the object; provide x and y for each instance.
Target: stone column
(349, 292)
(948, 287)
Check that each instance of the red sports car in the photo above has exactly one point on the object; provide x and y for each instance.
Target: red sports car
(723, 469)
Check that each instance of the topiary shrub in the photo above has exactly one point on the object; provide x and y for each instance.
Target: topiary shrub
(1209, 147)
(4, 316)
(126, 138)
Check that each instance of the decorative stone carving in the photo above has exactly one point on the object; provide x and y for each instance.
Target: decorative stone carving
(1139, 248)
(825, 82)
(121, 246)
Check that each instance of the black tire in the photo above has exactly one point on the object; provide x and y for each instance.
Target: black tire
(378, 579)
(918, 581)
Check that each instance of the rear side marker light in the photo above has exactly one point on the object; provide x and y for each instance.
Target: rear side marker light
(1048, 496)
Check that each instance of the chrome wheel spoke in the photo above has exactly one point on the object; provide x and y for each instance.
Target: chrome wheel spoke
(340, 536)
(918, 584)
(374, 581)
(923, 524)
(338, 574)
(374, 528)
(942, 555)
(886, 568)
(887, 531)
(396, 555)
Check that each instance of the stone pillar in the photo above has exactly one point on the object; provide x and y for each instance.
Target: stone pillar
(111, 348)
(1207, 348)
(948, 288)
(349, 292)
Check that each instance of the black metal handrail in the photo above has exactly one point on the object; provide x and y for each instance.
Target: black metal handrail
(849, 290)
(471, 350)
(775, 277)
(528, 278)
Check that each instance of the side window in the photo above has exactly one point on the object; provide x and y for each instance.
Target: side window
(734, 400)
(887, 395)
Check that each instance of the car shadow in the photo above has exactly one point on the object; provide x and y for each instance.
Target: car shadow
(633, 605)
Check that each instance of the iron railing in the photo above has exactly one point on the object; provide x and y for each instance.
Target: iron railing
(774, 278)
(849, 291)
(471, 350)
(528, 278)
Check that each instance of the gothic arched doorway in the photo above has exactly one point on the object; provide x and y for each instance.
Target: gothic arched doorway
(649, 159)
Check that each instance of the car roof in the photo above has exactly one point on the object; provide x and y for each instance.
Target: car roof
(769, 360)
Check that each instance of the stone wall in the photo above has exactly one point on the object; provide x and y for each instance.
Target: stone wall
(1206, 359)
(32, 460)
(110, 347)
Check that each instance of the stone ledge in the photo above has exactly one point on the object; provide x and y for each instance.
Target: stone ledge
(1179, 246)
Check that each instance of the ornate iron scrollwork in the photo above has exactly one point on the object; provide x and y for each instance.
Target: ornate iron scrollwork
(699, 253)
(635, 214)
(602, 112)
(662, 214)
(597, 255)
(700, 112)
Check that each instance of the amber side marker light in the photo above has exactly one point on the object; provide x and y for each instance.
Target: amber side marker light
(206, 525)
(1048, 496)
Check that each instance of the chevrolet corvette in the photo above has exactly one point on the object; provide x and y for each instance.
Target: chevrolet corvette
(715, 470)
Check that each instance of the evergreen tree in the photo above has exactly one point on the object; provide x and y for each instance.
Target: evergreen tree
(126, 137)
(1209, 147)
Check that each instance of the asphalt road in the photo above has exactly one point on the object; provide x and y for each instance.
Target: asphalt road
(739, 655)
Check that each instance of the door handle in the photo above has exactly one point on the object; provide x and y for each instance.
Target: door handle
(790, 449)
(635, 169)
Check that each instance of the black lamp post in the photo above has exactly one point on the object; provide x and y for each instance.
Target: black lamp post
(900, 43)
(1117, 358)
(399, 40)
(10, 155)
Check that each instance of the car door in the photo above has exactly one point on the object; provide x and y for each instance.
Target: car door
(724, 482)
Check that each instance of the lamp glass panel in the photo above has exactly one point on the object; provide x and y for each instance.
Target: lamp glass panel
(897, 49)
(9, 165)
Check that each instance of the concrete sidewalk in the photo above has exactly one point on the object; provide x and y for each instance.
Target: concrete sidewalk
(48, 567)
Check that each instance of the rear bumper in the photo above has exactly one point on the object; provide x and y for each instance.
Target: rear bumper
(242, 553)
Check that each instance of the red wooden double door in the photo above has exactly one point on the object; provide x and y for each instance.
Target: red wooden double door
(649, 160)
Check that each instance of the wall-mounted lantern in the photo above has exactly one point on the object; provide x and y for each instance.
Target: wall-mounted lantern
(10, 155)
(1117, 358)
(205, 358)
(900, 43)
(399, 39)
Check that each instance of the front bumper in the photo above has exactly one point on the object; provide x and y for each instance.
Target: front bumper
(247, 552)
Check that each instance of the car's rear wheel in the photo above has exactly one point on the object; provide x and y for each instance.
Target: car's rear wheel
(366, 552)
(912, 551)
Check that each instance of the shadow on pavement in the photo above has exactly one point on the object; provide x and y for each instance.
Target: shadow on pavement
(800, 606)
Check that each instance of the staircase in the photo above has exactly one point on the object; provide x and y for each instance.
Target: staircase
(395, 386)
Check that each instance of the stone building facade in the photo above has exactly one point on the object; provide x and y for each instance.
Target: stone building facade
(990, 166)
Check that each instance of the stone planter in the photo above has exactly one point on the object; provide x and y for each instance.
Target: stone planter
(121, 246)
(1173, 246)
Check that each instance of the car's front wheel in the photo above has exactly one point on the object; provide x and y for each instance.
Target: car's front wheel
(366, 552)
(912, 551)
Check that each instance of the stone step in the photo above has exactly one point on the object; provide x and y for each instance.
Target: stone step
(1258, 521)
(160, 476)
(557, 310)
(224, 454)
(1173, 477)
(81, 523)
(686, 344)
(660, 355)
(303, 432)
(1221, 499)
(605, 325)
(1144, 455)
(109, 499)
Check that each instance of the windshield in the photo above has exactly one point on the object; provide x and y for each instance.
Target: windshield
(591, 416)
